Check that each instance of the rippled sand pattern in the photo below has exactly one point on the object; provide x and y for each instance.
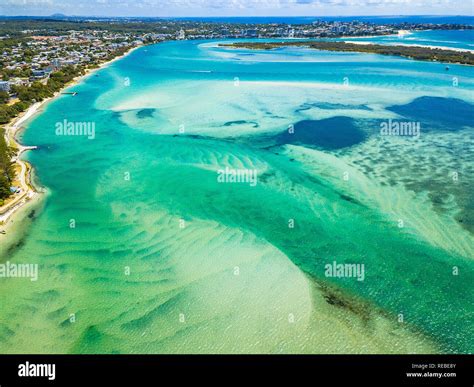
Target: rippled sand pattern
(165, 258)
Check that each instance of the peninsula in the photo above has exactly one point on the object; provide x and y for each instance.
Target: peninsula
(412, 52)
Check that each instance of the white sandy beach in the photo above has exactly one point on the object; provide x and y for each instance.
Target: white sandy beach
(28, 191)
(413, 45)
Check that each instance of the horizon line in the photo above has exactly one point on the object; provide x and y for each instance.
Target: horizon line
(236, 17)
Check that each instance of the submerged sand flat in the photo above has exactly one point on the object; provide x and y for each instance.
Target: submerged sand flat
(164, 258)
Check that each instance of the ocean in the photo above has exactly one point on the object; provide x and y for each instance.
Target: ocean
(143, 248)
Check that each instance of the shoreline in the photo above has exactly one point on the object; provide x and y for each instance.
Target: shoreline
(455, 56)
(13, 129)
(414, 45)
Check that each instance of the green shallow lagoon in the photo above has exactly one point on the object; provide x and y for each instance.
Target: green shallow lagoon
(164, 258)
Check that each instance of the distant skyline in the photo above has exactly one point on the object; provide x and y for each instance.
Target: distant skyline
(209, 8)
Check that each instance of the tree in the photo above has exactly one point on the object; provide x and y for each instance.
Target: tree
(7, 172)
(4, 97)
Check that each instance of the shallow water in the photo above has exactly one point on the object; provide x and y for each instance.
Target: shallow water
(459, 39)
(164, 258)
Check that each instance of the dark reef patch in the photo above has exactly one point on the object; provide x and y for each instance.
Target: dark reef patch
(350, 199)
(437, 113)
(15, 247)
(330, 106)
(242, 122)
(145, 113)
(330, 134)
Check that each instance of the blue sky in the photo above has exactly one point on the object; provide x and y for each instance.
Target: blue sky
(236, 7)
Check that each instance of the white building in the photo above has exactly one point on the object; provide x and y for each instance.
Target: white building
(4, 86)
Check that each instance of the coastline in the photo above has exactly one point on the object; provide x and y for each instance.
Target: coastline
(133, 225)
(414, 45)
(29, 192)
(443, 55)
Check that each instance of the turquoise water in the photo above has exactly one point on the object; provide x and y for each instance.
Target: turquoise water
(459, 39)
(164, 258)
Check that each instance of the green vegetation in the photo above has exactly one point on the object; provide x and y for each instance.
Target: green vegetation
(37, 92)
(418, 53)
(4, 97)
(28, 95)
(6, 168)
(21, 27)
(6, 45)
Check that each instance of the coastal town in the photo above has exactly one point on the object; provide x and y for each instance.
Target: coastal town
(39, 57)
(30, 56)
